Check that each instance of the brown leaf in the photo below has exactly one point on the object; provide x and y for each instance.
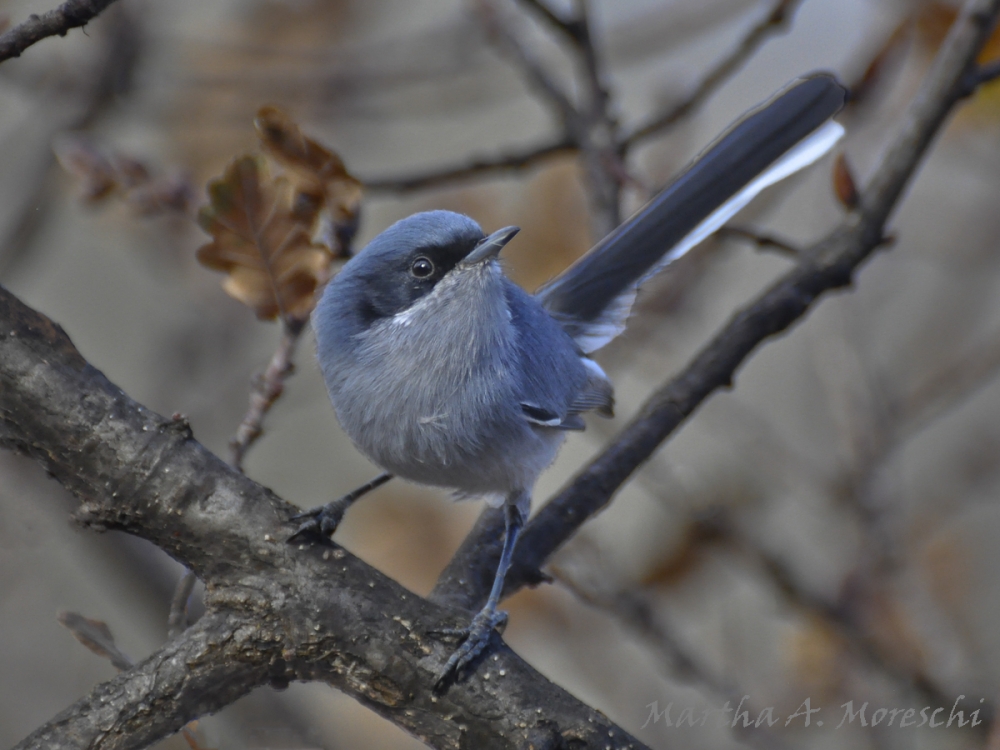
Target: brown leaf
(318, 177)
(844, 185)
(104, 174)
(890, 51)
(96, 636)
(282, 139)
(95, 172)
(262, 240)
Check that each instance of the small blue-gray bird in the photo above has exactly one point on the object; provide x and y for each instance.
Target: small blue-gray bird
(444, 372)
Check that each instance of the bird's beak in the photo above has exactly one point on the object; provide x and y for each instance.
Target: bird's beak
(490, 247)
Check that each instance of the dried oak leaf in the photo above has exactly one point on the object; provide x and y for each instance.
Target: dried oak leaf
(262, 241)
(318, 177)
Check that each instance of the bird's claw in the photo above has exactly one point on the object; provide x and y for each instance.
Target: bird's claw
(473, 639)
(320, 523)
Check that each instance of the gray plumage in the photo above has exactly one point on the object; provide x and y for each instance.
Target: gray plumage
(476, 383)
(444, 372)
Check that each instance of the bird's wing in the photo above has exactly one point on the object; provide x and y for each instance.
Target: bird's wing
(593, 393)
(539, 415)
(593, 297)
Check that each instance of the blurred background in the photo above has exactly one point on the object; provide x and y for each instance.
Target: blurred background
(826, 530)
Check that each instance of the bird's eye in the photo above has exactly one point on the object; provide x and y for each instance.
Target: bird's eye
(422, 268)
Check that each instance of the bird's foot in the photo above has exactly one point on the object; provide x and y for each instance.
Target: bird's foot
(474, 639)
(320, 523)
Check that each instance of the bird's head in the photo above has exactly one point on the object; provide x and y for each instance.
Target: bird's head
(409, 259)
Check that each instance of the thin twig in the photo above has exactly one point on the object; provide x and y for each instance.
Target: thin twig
(500, 30)
(838, 618)
(633, 610)
(775, 21)
(602, 159)
(477, 167)
(830, 264)
(985, 73)
(762, 241)
(570, 27)
(102, 86)
(267, 388)
(949, 386)
(96, 636)
(589, 125)
(567, 143)
(69, 15)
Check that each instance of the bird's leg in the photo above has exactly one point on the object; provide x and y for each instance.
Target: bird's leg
(477, 635)
(323, 521)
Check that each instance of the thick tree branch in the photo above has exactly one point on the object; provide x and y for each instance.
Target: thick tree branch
(828, 265)
(209, 667)
(58, 22)
(274, 612)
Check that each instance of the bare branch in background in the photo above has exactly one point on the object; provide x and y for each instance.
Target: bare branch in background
(984, 74)
(841, 618)
(481, 167)
(589, 128)
(827, 265)
(109, 79)
(633, 610)
(775, 21)
(588, 124)
(500, 27)
(70, 15)
(96, 636)
(761, 240)
(570, 27)
(602, 160)
(943, 390)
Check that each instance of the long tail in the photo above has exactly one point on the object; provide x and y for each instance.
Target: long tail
(593, 297)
